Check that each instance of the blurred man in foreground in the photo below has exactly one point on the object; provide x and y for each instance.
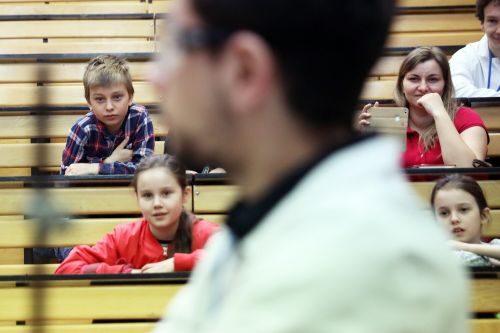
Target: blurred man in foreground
(326, 235)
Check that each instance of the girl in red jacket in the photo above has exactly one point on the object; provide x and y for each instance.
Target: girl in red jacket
(166, 239)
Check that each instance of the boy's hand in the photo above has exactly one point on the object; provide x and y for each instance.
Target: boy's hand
(165, 266)
(78, 169)
(120, 154)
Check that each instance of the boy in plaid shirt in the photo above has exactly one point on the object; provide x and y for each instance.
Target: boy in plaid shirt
(116, 134)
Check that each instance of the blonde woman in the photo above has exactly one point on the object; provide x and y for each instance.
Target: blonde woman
(439, 132)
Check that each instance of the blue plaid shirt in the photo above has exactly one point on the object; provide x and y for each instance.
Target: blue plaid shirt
(89, 141)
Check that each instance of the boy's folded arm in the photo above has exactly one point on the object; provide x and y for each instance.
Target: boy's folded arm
(142, 146)
(75, 147)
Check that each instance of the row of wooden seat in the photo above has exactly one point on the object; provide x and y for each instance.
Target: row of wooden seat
(19, 37)
(90, 328)
(83, 7)
(77, 301)
(67, 303)
(61, 72)
(62, 86)
(208, 201)
(71, 295)
(58, 125)
(65, 7)
(23, 155)
(72, 72)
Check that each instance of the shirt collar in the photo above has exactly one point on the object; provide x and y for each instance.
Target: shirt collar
(244, 217)
(484, 49)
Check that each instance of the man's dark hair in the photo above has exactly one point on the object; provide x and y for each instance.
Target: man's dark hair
(480, 4)
(325, 48)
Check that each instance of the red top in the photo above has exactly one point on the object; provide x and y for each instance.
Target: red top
(131, 246)
(415, 154)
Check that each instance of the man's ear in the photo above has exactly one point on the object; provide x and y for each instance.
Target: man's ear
(131, 100)
(248, 72)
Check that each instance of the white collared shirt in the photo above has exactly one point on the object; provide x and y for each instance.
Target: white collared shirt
(470, 70)
(348, 249)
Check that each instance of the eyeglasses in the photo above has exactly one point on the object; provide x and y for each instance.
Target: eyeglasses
(202, 37)
(180, 41)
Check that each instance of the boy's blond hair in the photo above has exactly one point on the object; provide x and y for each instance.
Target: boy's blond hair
(105, 70)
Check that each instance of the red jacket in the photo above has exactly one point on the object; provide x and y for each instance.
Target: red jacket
(131, 246)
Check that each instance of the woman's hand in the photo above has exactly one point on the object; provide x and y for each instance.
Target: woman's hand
(165, 266)
(433, 104)
(364, 116)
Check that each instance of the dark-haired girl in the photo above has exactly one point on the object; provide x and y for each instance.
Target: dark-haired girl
(166, 239)
(459, 203)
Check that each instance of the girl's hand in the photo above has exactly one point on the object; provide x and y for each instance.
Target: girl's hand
(433, 104)
(218, 170)
(165, 266)
(364, 116)
(494, 262)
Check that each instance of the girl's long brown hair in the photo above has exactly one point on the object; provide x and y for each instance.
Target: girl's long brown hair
(183, 236)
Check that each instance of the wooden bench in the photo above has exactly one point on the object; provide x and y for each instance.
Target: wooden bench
(60, 72)
(92, 200)
(67, 302)
(24, 155)
(75, 49)
(216, 199)
(58, 125)
(18, 95)
(410, 30)
(72, 305)
(95, 328)
(47, 29)
(116, 7)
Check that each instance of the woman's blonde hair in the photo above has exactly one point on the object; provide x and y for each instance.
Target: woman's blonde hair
(418, 56)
